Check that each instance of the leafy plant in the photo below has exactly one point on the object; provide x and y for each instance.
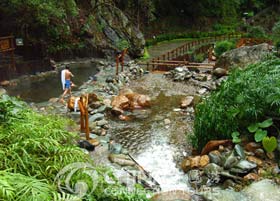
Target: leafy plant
(199, 57)
(34, 148)
(248, 95)
(256, 32)
(269, 143)
(235, 137)
(257, 128)
(122, 44)
(260, 135)
(223, 46)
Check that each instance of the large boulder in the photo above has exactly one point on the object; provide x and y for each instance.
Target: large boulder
(243, 56)
(2, 91)
(129, 101)
(113, 30)
(138, 100)
(120, 102)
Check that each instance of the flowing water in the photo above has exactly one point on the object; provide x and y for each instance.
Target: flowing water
(156, 137)
(40, 90)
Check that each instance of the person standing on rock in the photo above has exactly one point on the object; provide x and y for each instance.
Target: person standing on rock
(66, 82)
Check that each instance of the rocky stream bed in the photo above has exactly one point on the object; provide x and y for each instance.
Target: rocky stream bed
(150, 127)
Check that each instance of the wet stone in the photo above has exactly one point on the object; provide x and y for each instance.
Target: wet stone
(230, 161)
(95, 117)
(260, 153)
(245, 166)
(239, 151)
(215, 157)
(102, 122)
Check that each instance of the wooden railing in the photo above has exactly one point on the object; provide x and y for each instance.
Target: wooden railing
(183, 49)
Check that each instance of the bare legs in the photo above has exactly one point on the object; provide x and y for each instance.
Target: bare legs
(66, 91)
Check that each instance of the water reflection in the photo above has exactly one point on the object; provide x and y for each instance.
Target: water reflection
(50, 86)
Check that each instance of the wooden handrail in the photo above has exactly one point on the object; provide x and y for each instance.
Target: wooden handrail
(179, 51)
(182, 62)
(175, 65)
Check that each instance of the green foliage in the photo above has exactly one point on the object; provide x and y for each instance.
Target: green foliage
(235, 137)
(276, 30)
(48, 20)
(199, 57)
(269, 143)
(260, 135)
(223, 46)
(276, 35)
(186, 35)
(122, 44)
(248, 96)
(256, 32)
(146, 54)
(223, 28)
(34, 148)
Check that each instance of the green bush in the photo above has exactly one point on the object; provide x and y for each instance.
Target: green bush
(256, 32)
(248, 96)
(199, 57)
(276, 35)
(223, 46)
(34, 148)
(186, 35)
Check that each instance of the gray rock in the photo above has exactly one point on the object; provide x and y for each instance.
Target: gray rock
(230, 161)
(212, 169)
(243, 56)
(121, 160)
(219, 72)
(179, 69)
(194, 176)
(2, 91)
(96, 117)
(102, 122)
(239, 151)
(101, 109)
(114, 88)
(93, 136)
(202, 91)
(115, 148)
(264, 190)
(103, 139)
(245, 165)
(215, 157)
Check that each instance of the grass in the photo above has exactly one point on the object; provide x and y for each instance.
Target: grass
(34, 148)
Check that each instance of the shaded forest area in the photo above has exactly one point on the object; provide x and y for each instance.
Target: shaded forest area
(52, 27)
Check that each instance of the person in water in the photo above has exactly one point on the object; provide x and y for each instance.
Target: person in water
(66, 82)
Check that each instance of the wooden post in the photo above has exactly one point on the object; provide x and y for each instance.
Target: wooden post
(84, 116)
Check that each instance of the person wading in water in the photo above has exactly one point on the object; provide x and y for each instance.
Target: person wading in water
(66, 82)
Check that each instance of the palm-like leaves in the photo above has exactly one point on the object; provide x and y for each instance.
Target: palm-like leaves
(247, 96)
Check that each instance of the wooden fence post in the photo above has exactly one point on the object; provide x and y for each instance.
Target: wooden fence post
(84, 116)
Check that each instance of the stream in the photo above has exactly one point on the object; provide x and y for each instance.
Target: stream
(156, 137)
